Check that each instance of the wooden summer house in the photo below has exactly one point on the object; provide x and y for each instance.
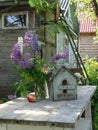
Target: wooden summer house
(88, 40)
(16, 18)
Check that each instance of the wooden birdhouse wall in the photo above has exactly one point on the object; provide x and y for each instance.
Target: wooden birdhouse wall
(63, 85)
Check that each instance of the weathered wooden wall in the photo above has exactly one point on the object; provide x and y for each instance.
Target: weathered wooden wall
(8, 37)
(87, 47)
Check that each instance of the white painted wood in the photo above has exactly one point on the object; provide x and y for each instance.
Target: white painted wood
(60, 42)
(71, 57)
(88, 113)
(60, 46)
(88, 110)
(27, 127)
(83, 124)
(2, 126)
(58, 128)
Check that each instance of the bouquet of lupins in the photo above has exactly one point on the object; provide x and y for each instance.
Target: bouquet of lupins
(34, 72)
(26, 59)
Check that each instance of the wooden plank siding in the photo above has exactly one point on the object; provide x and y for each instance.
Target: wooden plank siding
(87, 47)
(8, 37)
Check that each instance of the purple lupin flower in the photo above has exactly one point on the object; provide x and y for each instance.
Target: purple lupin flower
(25, 60)
(22, 64)
(15, 54)
(34, 43)
(28, 60)
(25, 64)
(11, 96)
(60, 56)
(31, 39)
(35, 47)
(28, 38)
(26, 56)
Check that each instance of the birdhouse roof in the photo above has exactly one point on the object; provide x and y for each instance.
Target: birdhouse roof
(59, 70)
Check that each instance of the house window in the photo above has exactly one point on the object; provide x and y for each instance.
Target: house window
(15, 20)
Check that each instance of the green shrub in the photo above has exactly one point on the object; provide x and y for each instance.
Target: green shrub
(92, 70)
(91, 65)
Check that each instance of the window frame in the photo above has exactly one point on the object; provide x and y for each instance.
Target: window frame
(14, 14)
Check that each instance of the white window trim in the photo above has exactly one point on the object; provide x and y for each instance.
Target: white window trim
(15, 13)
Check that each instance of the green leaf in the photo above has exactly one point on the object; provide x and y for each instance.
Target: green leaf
(32, 3)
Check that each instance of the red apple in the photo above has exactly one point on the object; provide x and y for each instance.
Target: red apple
(31, 97)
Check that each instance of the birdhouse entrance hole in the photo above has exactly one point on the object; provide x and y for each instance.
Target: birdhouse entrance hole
(64, 82)
(64, 91)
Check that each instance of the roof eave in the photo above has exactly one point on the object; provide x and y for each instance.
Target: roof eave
(12, 3)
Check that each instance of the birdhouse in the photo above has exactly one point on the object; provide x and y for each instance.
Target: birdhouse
(63, 85)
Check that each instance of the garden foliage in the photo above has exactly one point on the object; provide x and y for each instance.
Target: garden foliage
(91, 65)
